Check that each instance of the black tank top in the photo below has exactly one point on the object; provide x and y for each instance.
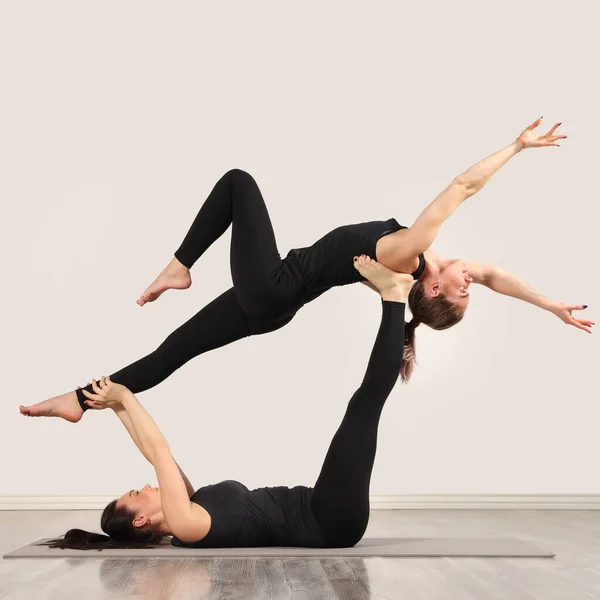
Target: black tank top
(328, 262)
(267, 516)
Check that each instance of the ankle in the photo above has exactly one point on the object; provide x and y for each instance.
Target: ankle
(397, 290)
(176, 267)
(395, 294)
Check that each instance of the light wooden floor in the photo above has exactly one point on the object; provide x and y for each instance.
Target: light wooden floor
(573, 535)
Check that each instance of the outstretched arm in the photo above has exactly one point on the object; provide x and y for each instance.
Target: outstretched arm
(506, 283)
(120, 411)
(421, 235)
(182, 520)
(181, 515)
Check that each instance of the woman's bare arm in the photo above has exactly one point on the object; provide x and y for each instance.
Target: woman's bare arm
(124, 418)
(479, 174)
(421, 235)
(506, 283)
(183, 519)
(186, 520)
(503, 282)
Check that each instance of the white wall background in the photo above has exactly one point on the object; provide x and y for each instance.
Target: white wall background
(119, 117)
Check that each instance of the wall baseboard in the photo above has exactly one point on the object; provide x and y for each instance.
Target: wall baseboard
(488, 501)
(402, 502)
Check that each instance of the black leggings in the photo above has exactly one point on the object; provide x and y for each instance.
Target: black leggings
(340, 498)
(266, 292)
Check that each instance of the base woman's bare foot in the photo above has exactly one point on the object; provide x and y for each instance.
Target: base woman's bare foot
(66, 406)
(174, 276)
(391, 285)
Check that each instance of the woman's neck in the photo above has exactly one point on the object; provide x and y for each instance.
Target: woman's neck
(433, 263)
(160, 525)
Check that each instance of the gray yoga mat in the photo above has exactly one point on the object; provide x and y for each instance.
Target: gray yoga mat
(398, 547)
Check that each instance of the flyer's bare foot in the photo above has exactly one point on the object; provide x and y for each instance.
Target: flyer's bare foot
(66, 406)
(391, 285)
(174, 276)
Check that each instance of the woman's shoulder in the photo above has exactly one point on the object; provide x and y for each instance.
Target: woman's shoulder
(195, 528)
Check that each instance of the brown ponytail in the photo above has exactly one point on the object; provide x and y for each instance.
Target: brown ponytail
(409, 357)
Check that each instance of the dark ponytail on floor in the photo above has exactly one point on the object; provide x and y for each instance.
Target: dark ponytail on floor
(438, 313)
(117, 523)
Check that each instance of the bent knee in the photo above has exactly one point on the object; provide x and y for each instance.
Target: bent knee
(238, 175)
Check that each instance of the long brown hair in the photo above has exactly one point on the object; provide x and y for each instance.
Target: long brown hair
(117, 523)
(439, 313)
